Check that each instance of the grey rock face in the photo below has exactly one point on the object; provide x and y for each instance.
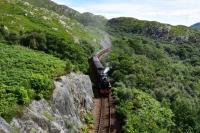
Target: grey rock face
(163, 33)
(157, 31)
(71, 99)
(77, 94)
(4, 126)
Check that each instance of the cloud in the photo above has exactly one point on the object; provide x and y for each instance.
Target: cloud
(185, 12)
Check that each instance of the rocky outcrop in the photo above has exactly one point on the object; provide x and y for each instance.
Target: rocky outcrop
(4, 126)
(163, 32)
(157, 31)
(71, 99)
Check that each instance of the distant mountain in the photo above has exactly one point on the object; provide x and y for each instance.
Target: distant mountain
(196, 26)
(165, 32)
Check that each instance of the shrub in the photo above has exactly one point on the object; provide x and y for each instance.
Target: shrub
(22, 95)
(42, 85)
(89, 119)
(141, 112)
(34, 40)
(8, 104)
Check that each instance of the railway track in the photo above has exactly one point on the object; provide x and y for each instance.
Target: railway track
(104, 108)
(105, 123)
(102, 52)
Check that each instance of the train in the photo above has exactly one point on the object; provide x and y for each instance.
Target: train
(101, 78)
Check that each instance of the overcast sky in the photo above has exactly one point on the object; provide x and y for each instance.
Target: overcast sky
(176, 12)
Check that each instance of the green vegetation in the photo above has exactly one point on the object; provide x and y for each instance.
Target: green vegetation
(89, 122)
(89, 119)
(50, 5)
(25, 75)
(162, 32)
(59, 47)
(142, 112)
(167, 71)
(52, 44)
(44, 30)
(87, 19)
(19, 16)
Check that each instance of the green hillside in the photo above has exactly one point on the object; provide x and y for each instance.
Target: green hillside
(87, 19)
(163, 32)
(37, 45)
(50, 5)
(22, 16)
(45, 30)
(25, 75)
(160, 66)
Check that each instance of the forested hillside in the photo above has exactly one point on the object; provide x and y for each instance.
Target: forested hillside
(36, 46)
(156, 76)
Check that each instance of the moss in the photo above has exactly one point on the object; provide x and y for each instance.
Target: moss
(49, 116)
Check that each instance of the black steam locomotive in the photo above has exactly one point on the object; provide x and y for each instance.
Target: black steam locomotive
(101, 79)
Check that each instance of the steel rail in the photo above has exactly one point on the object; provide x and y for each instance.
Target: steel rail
(110, 115)
(101, 116)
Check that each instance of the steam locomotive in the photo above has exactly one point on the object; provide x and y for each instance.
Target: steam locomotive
(100, 73)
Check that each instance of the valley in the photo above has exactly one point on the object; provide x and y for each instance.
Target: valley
(45, 86)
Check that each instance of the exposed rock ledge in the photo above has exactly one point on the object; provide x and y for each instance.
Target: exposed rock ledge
(71, 99)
